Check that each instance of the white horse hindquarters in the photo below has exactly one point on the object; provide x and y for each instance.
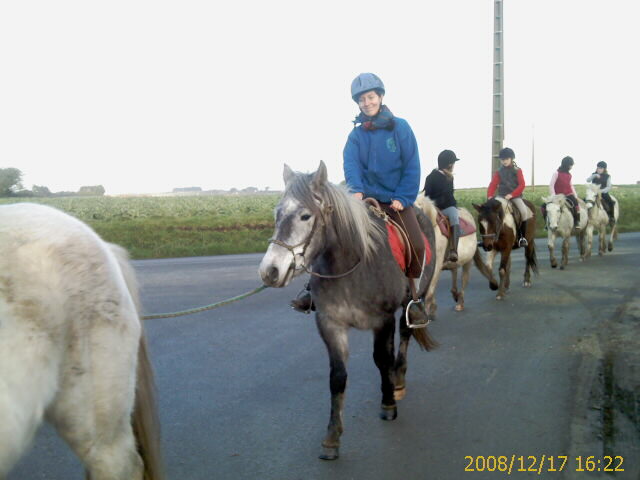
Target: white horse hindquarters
(30, 356)
(97, 386)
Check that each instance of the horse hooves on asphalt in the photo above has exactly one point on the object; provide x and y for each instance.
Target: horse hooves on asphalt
(554, 265)
(329, 453)
(610, 247)
(561, 267)
(499, 297)
(526, 284)
(399, 393)
(493, 285)
(459, 308)
(389, 413)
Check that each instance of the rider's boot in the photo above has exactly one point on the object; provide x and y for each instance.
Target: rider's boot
(455, 238)
(612, 219)
(303, 302)
(522, 241)
(576, 218)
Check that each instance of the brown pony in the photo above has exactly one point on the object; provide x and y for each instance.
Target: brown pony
(498, 232)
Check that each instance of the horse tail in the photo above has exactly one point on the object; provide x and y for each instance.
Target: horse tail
(484, 270)
(144, 420)
(423, 338)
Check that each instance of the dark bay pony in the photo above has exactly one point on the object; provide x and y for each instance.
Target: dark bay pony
(498, 232)
(356, 283)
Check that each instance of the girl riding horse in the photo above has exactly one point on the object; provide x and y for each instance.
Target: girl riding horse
(602, 178)
(508, 181)
(381, 161)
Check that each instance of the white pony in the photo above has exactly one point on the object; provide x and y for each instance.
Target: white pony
(70, 344)
(599, 220)
(560, 224)
(467, 246)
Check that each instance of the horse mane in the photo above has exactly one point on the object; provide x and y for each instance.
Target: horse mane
(428, 207)
(558, 199)
(353, 225)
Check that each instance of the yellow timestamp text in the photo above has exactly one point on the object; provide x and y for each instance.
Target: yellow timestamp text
(543, 463)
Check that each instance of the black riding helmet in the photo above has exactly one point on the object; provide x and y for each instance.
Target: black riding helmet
(601, 165)
(446, 159)
(506, 153)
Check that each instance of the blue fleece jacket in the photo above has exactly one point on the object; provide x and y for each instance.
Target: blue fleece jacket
(383, 164)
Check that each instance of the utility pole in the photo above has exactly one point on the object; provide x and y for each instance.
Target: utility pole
(533, 158)
(498, 88)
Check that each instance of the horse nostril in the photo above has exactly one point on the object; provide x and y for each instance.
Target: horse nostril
(272, 274)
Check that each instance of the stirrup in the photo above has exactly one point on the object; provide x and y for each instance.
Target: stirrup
(303, 303)
(416, 325)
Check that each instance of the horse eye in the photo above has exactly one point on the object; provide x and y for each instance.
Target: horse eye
(305, 217)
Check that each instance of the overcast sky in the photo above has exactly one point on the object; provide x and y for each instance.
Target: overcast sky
(145, 96)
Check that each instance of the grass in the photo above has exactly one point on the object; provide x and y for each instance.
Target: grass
(160, 227)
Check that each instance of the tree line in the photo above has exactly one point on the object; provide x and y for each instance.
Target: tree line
(11, 186)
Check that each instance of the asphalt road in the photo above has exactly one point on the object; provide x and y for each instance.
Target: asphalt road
(244, 394)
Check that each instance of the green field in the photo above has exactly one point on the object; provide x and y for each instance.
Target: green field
(158, 227)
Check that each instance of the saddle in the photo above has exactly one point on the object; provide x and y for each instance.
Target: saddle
(398, 238)
(442, 220)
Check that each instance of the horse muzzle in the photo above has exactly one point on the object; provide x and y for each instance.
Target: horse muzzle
(276, 270)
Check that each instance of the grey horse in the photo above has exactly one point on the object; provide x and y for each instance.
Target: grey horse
(355, 282)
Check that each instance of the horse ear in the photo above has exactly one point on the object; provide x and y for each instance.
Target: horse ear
(320, 176)
(477, 207)
(287, 174)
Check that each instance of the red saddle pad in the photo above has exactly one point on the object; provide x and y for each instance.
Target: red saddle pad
(398, 247)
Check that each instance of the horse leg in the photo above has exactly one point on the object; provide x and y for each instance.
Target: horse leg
(466, 270)
(588, 241)
(454, 284)
(337, 342)
(504, 272)
(602, 240)
(92, 411)
(28, 381)
(400, 367)
(565, 252)
(551, 241)
(580, 240)
(612, 236)
(384, 359)
(493, 284)
(507, 281)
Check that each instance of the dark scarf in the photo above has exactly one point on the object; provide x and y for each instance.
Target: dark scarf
(383, 120)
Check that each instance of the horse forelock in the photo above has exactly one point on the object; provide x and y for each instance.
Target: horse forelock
(349, 216)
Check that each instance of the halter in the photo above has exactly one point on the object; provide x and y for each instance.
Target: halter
(305, 243)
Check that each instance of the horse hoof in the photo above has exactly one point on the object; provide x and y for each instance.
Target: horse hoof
(389, 413)
(499, 297)
(459, 308)
(526, 284)
(554, 265)
(493, 286)
(610, 248)
(399, 393)
(561, 267)
(329, 453)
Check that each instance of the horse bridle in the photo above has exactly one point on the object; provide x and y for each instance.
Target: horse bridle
(306, 242)
(495, 235)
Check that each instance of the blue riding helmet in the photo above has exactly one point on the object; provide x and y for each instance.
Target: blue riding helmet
(364, 83)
